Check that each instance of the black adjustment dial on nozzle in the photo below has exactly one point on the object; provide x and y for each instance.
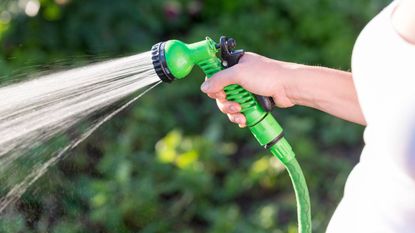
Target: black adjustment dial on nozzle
(230, 57)
(159, 62)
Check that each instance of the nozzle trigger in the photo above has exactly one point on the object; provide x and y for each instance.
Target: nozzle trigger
(266, 102)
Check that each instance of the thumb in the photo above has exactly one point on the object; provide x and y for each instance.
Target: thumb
(220, 80)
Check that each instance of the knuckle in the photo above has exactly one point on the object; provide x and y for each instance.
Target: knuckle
(229, 109)
(232, 108)
(221, 95)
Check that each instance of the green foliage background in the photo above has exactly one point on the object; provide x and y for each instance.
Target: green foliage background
(172, 162)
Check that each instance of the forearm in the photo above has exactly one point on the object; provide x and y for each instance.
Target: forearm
(290, 84)
(325, 89)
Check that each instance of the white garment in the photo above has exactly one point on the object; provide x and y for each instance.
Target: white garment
(380, 191)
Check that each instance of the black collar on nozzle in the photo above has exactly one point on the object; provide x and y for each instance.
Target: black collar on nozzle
(159, 62)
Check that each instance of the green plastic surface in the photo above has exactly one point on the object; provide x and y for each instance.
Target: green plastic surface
(301, 195)
(181, 58)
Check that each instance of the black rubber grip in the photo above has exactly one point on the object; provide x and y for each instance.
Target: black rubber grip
(266, 102)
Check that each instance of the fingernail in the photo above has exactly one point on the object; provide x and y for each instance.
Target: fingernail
(239, 120)
(233, 109)
(205, 86)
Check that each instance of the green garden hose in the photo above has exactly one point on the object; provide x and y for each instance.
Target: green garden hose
(301, 194)
(174, 59)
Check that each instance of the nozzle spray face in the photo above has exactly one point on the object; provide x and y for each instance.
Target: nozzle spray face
(159, 62)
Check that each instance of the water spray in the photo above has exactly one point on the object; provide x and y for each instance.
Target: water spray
(174, 60)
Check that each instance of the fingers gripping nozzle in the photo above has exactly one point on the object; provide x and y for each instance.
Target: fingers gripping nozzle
(230, 57)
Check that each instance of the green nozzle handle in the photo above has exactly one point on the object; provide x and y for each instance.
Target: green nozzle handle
(174, 60)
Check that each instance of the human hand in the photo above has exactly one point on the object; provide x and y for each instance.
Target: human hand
(257, 74)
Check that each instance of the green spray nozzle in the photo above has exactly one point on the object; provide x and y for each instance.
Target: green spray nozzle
(174, 59)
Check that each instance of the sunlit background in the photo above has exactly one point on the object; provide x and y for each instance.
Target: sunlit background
(172, 162)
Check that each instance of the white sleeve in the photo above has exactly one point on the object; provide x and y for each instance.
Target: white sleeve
(383, 66)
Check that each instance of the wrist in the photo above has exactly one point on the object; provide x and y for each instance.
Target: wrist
(317, 87)
(310, 85)
(293, 81)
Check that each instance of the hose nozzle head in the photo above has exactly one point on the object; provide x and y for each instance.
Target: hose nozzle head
(174, 59)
